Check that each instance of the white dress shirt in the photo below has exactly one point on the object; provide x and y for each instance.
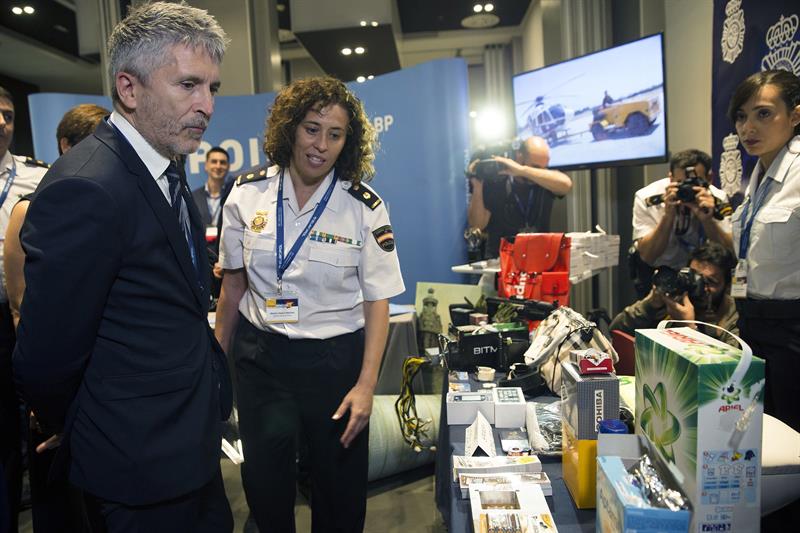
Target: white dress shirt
(156, 163)
(339, 266)
(773, 257)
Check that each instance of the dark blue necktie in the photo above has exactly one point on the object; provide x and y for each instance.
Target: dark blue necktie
(179, 207)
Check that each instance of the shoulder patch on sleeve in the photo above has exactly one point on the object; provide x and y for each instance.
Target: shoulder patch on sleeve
(35, 162)
(384, 236)
(366, 195)
(252, 175)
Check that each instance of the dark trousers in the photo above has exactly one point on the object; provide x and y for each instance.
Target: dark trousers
(10, 427)
(772, 329)
(205, 510)
(290, 388)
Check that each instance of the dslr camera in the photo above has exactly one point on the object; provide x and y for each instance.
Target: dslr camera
(676, 282)
(487, 168)
(686, 192)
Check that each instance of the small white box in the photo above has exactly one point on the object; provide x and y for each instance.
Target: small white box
(463, 407)
(509, 407)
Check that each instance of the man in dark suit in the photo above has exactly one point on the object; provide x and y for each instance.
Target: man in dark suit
(114, 350)
(207, 197)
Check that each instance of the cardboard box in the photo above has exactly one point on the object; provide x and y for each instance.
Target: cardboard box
(579, 467)
(588, 399)
(620, 506)
(691, 391)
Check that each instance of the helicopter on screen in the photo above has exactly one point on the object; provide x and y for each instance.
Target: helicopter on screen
(547, 120)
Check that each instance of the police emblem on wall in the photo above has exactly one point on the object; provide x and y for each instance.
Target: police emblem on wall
(784, 53)
(730, 166)
(733, 31)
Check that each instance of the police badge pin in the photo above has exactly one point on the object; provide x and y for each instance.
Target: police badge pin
(259, 221)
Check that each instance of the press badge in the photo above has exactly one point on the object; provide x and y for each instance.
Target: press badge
(739, 281)
(282, 309)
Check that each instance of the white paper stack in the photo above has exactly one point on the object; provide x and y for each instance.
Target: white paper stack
(590, 252)
(465, 481)
(494, 465)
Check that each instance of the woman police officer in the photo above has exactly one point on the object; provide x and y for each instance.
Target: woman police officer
(310, 264)
(765, 109)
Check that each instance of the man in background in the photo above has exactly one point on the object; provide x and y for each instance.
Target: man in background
(207, 197)
(520, 202)
(668, 223)
(714, 263)
(18, 176)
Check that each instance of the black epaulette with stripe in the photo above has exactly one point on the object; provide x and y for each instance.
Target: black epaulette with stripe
(35, 162)
(364, 194)
(252, 175)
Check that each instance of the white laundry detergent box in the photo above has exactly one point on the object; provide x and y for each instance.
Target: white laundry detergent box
(700, 403)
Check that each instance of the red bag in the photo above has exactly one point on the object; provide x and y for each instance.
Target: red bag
(535, 266)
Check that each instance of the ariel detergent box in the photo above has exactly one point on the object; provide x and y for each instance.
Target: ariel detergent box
(699, 402)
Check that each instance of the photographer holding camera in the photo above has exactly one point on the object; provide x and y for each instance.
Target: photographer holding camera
(519, 197)
(699, 292)
(675, 215)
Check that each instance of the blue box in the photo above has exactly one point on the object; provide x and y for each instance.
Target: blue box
(620, 506)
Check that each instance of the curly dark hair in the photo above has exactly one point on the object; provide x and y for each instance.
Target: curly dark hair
(291, 105)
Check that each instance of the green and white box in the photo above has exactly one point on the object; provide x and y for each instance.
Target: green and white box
(699, 401)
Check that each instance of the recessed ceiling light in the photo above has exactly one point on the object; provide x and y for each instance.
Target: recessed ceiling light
(346, 51)
(374, 24)
(488, 8)
(477, 8)
(370, 77)
(359, 50)
(16, 10)
(363, 22)
(361, 79)
(28, 9)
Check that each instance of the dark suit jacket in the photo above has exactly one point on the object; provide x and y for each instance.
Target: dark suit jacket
(201, 202)
(113, 344)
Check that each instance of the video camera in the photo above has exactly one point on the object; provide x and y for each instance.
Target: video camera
(676, 282)
(487, 168)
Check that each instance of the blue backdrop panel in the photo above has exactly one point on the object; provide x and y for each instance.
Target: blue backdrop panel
(749, 36)
(420, 114)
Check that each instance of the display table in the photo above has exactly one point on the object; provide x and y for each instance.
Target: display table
(456, 511)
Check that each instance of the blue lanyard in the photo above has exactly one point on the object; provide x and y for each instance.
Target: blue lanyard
(12, 173)
(281, 263)
(527, 211)
(757, 201)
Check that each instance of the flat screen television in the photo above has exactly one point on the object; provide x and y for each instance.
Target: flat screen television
(600, 110)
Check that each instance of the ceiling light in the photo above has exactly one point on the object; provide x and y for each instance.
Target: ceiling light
(473, 114)
(490, 124)
(346, 51)
(16, 10)
(363, 22)
(361, 79)
(370, 77)
(359, 50)
(477, 8)
(488, 8)
(374, 24)
(28, 9)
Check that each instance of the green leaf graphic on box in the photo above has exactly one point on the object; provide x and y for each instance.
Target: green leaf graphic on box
(660, 426)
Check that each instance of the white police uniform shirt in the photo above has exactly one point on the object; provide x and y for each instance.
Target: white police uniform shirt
(341, 263)
(646, 218)
(773, 258)
(27, 177)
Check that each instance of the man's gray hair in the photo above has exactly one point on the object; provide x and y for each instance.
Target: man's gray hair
(139, 43)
